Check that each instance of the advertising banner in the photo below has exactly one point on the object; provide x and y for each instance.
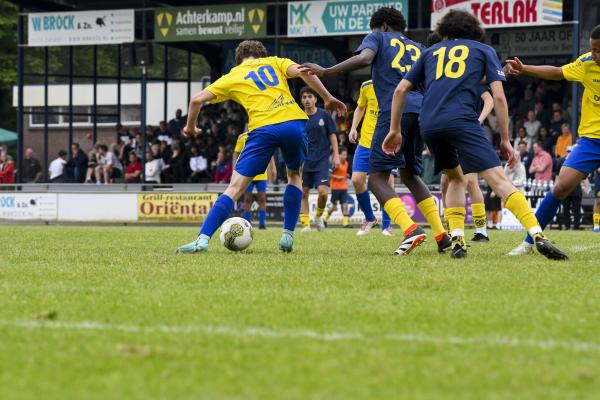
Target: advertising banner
(81, 28)
(231, 21)
(28, 206)
(331, 17)
(532, 42)
(174, 207)
(503, 13)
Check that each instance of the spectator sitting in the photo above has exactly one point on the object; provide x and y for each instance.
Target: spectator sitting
(525, 156)
(7, 168)
(542, 114)
(546, 139)
(516, 174)
(162, 133)
(32, 169)
(77, 164)
(541, 165)
(57, 167)
(527, 103)
(522, 137)
(154, 167)
(563, 141)
(556, 124)
(532, 126)
(92, 164)
(134, 169)
(176, 124)
(123, 135)
(222, 168)
(198, 166)
(138, 144)
(176, 167)
(164, 152)
(109, 167)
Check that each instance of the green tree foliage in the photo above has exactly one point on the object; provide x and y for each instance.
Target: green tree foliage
(8, 63)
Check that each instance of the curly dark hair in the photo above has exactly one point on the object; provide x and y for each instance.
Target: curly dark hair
(249, 48)
(433, 38)
(389, 15)
(458, 24)
(595, 33)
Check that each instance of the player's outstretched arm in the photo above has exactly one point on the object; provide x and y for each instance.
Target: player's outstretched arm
(194, 110)
(501, 108)
(488, 106)
(331, 103)
(515, 67)
(358, 61)
(359, 113)
(393, 141)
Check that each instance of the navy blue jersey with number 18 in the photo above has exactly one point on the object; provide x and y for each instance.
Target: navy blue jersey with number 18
(452, 71)
(394, 57)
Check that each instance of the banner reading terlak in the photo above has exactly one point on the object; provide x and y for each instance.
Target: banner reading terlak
(175, 207)
(232, 21)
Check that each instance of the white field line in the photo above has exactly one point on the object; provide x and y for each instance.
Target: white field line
(266, 333)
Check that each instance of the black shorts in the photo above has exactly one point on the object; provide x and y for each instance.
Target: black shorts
(464, 146)
(492, 203)
(409, 157)
(314, 179)
(340, 196)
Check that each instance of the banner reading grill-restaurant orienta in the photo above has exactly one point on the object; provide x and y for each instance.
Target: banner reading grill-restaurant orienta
(175, 207)
(231, 21)
(503, 13)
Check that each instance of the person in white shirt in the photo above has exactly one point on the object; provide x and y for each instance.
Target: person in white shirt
(198, 165)
(109, 167)
(57, 167)
(517, 174)
(532, 126)
(154, 167)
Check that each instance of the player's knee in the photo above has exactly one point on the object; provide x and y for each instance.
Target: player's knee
(323, 191)
(562, 189)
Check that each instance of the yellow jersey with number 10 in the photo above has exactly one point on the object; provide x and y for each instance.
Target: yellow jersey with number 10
(239, 146)
(260, 86)
(368, 101)
(585, 71)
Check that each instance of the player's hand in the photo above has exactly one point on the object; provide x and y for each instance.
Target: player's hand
(392, 143)
(312, 69)
(335, 163)
(508, 152)
(514, 67)
(187, 132)
(353, 135)
(336, 105)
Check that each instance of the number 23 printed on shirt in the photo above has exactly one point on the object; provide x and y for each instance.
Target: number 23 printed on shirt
(266, 76)
(414, 50)
(456, 57)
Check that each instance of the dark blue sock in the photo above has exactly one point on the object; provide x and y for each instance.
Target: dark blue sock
(248, 216)
(545, 212)
(292, 198)
(385, 220)
(364, 200)
(262, 218)
(217, 215)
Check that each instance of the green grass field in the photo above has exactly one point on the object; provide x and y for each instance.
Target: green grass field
(113, 313)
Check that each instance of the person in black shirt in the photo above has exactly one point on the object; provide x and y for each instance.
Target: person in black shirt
(32, 169)
(77, 164)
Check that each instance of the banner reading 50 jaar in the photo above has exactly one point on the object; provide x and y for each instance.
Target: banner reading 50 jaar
(320, 18)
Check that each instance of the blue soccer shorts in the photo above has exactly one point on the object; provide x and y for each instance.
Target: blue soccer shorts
(261, 186)
(409, 157)
(585, 156)
(466, 146)
(289, 136)
(360, 163)
(314, 179)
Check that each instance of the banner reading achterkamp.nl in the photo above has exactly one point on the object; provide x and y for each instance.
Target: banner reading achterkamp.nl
(232, 21)
(321, 18)
(503, 13)
(81, 28)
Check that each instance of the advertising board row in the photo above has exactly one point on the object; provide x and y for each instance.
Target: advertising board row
(249, 20)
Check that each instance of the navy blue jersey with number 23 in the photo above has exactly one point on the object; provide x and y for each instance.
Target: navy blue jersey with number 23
(452, 71)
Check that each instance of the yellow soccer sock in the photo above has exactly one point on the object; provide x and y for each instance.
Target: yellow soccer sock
(446, 216)
(456, 220)
(320, 212)
(430, 212)
(517, 204)
(596, 220)
(395, 209)
(345, 221)
(327, 215)
(305, 220)
(478, 211)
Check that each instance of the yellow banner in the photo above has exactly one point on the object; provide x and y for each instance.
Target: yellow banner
(175, 207)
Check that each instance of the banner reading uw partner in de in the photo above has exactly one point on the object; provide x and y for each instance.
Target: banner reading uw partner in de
(231, 21)
(175, 207)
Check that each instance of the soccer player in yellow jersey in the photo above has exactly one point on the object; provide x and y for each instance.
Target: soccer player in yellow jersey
(259, 182)
(259, 84)
(585, 157)
(367, 110)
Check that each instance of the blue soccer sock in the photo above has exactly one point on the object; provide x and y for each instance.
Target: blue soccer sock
(217, 215)
(385, 220)
(248, 216)
(364, 201)
(292, 198)
(545, 212)
(262, 218)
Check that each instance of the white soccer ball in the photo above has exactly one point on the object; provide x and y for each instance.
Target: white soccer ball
(236, 234)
